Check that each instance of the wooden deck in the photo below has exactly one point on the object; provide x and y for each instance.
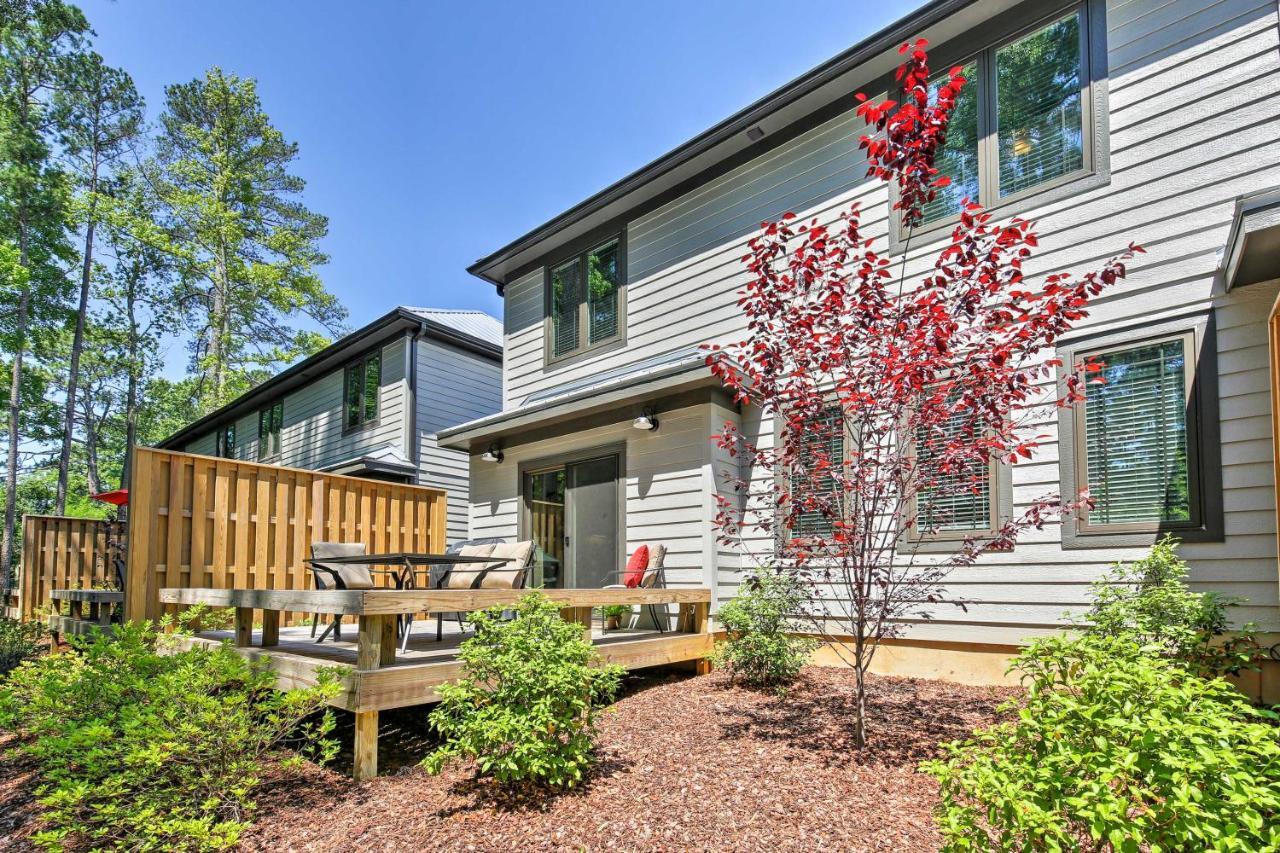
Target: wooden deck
(376, 675)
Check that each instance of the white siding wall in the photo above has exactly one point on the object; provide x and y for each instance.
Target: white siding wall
(312, 435)
(454, 385)
(1193, 125)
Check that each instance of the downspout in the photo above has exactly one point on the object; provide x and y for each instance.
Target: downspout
(411, 404)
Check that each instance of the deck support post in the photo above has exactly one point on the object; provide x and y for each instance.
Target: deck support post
(271, 627)
(244, 626)
(364, 764)
(77, 610)
(581, 615)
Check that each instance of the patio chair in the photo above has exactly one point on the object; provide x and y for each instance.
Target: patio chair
(654, 577)
(337, 576)
(462, 575)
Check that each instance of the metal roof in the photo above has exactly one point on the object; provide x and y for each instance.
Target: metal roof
(477, 324)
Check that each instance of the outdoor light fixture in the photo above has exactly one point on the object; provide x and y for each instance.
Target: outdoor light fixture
(646, 421)
(493, 454)
(755, 134)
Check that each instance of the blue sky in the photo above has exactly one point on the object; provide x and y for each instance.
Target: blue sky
(433, 133)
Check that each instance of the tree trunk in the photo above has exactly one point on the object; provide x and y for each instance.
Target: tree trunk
(218, 330)
(77, 346)
(15, 411)
(91, 449)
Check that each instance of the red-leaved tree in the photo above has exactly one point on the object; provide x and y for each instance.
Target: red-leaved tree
(894, 397)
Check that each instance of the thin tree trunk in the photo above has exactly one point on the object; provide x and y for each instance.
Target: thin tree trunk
(15, 410)
(77, 346)
(91, 449)
(131, 397)
(218, 330)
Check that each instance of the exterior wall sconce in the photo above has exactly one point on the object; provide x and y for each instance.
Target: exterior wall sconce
(646, 421)
(493, 454)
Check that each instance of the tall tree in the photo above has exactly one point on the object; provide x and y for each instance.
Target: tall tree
(100, 115)
(251, 248)
(35, 46)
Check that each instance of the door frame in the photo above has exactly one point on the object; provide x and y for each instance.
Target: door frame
(1273, 351)
(560, 460)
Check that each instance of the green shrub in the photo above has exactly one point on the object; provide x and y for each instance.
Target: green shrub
(758, 650)
(1149, 601)
(1114, 749)
(141, 750)
(19, 641)
(524, 707)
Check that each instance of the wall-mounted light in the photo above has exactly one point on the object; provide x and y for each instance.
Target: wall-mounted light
(646, 421)
(493, 454)
(755, 133)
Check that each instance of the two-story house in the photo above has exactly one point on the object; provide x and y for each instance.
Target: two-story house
(370, 404)
(1107, 121)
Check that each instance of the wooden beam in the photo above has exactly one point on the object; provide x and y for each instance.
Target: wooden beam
(109, 596)
(365, 763)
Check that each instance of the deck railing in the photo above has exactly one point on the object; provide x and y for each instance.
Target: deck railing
(64, 553)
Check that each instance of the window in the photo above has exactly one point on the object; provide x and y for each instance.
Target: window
(361, 383)
(952, 506)
(585, 300)
(826, 437)
(1145, 441)
(270, 419)
(1023, 121)
(225, 441)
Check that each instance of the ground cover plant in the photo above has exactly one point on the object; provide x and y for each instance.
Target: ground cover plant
(760, 648)
(19, 641)
(525, 706)
(141, 750)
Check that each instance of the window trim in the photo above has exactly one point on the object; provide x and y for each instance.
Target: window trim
(548, 324)
(359, 363)
(782, 536)
(1204, 446)
(1000, 511)
(1095, 132)
(268, 456)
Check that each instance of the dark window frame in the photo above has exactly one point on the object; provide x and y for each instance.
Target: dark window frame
(360, 367)
(221, 447)
(1000, 512)
(1204, 446)
(267, 449)
(1018, 22)
(584, 345)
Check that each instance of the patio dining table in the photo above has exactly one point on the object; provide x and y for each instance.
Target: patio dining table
(403, 567)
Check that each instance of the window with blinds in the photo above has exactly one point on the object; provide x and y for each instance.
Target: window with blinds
(361, 391)
(270, 420)
(824, 436)
(1135, 439)
(584, 300)
(949, 502)
(1020, 122)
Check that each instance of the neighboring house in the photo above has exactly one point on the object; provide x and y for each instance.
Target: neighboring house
(1147, 120)
(370, 404)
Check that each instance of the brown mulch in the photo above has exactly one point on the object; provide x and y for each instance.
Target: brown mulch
(686, 764)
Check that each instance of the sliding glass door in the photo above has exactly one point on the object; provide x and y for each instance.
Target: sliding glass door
(572, 516)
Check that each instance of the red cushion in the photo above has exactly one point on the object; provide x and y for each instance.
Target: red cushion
(636, 567)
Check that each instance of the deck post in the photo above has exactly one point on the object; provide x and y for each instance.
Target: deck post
(77, 609)
(581, 615)
(364, 764)
(271, 627)
(244, 626)
(375, 647)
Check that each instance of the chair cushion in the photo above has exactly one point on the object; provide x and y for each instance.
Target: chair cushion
(657, 554)
(636, 567)
(509, 574)
(463, 575)
(348, 576)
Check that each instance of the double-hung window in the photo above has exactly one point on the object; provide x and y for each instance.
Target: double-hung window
(822, 442)
(585, 300)
(1144, 441)
(952, 505)
(270, 420)
(1024, 121)
(361, 383)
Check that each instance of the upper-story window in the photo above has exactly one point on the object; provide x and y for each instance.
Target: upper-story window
(361, 383)
(225, 441)
(585, 300)
(1023, 122)
(270, 420)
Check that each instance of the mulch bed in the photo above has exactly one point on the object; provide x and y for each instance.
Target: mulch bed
(687, 764)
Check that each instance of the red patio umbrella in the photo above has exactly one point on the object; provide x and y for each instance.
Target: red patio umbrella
(116, 497)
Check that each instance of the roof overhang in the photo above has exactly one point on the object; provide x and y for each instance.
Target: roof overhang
(516, 425)
(1253, 246)
(686, 166)
(388, 327)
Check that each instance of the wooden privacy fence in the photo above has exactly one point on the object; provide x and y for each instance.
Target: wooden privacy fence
(201, 521)
(63, 553)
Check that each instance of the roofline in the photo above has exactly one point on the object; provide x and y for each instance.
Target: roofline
(352, 343)
(815, 78)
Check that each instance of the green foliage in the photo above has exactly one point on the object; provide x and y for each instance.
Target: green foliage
(19, 641)
(616, 611)
(1148, 600)
(140, 750)
(524, 708)
(758, 649)
(1114, 749)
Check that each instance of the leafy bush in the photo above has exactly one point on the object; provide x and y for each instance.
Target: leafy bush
(142, 750)
(524, 707)
(758, 649)
(1114, 748)
(19, 641)
(1148, 600)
